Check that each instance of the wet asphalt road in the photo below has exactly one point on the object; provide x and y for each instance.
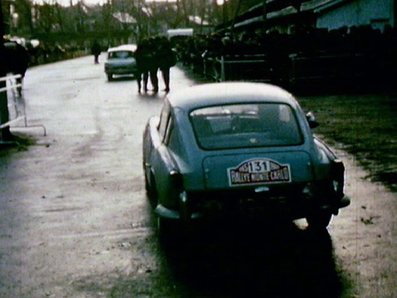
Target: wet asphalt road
(75, 222)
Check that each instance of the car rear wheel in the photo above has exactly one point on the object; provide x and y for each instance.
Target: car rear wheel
(319, 219)
(110, 77)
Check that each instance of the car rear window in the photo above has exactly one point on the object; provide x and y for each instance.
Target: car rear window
(121, 54)
(245, 125)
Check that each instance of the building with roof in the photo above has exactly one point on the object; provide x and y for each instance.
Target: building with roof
(283, 15)
(335, 14)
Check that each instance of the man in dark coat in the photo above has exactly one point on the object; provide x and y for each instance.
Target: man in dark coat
(96, 51)
(166, 59)
(153, 63)
(142, 57)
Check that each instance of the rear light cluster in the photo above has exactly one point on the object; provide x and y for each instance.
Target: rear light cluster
(176, 179)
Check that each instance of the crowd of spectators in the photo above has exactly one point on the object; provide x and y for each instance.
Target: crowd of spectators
(52, 52)
(355, 53)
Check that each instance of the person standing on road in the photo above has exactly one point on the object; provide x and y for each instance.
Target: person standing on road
(152, 62)
(142, 57)
(96, 51)
(167, 59)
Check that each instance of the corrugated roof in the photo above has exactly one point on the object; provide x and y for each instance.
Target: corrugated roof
(124, 17)
(321, 5)
(310, 5)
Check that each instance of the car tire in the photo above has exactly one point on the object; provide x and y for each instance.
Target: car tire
(110, 77)
(319, 220)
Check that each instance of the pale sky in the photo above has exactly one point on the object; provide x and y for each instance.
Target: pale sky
(67, 2)
(91, 2)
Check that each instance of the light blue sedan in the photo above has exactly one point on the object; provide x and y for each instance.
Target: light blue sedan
(121, 61)
(218, 147)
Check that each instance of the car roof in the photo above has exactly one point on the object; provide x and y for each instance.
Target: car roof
(124, 47)
(229, 93)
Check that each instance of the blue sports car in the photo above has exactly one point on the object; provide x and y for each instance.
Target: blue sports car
(218, 146)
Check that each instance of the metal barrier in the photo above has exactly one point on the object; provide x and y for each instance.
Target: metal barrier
(249, 68)
(14, 88)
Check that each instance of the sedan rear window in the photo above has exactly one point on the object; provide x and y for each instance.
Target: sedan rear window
(120, 54)
(245, 125)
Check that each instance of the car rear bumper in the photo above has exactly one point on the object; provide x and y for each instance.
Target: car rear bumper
(121, 71)
(174, 214)
(293, 208)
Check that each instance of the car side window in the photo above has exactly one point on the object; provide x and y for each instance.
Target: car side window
(164, 118)
(168, 131)
(172, 138)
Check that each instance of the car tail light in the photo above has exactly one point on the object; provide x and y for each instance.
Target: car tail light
(338, 179)
(177, 182)
(176, 179)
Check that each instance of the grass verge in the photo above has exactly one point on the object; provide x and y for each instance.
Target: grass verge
(363, 125)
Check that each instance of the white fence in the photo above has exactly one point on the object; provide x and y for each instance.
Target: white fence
(16, 104)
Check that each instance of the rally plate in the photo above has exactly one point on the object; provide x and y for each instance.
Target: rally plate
(259, 171)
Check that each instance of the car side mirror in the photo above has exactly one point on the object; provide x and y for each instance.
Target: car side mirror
(311, 119)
